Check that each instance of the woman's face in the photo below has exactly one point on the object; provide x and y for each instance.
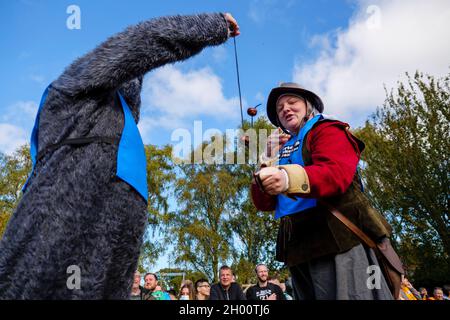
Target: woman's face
(137, 279)
(185, 291)
(291, 111)
(204, 288)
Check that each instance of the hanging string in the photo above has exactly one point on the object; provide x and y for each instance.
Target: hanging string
(238, 81)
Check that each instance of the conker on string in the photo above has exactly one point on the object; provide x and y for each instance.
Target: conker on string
(252, 112)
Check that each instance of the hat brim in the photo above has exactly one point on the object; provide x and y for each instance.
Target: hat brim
(279, 91)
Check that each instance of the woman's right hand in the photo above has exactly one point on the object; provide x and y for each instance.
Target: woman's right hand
(233, 25)
(273, 180)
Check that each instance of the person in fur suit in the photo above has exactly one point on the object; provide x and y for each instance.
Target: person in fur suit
(76, 209)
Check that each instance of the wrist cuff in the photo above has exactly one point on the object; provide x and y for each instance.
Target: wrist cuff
(286, 176)
(298, 179)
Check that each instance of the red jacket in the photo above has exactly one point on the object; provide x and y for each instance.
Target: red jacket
(335, 155)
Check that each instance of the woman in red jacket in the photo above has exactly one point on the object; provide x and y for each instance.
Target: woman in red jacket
(317, 163)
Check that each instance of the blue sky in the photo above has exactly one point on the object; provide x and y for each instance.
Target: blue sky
(345, 51)
(36, 47)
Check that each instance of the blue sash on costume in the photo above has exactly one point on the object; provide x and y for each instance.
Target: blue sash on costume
(131, 159)
(291, 153)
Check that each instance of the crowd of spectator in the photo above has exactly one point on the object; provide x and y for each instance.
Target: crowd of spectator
(227, 288)
(266, 288)
(408, 292)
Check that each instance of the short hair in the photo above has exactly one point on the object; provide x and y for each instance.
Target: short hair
(200, 281)
(151, 274)
(259, 265)
(225, 267)
(437, 288)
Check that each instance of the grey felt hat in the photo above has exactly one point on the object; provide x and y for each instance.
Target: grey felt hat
(295, 89)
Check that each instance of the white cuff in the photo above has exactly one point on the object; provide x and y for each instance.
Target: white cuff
(286, 186)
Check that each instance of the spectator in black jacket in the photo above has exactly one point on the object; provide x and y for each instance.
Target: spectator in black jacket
(226, 289)
(264, 290)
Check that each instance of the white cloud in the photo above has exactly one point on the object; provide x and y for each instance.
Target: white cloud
(16, 124)
(384, 40)
(21, 109)
(148, 123)
(173, 97)
(11, 137)
(20, 113)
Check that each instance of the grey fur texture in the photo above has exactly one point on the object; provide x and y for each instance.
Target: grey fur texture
(75, 211)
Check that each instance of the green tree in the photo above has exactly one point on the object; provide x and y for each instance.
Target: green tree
(200, 225)
(14, 171)
(244, 270)
(160, 176)
(406, 172)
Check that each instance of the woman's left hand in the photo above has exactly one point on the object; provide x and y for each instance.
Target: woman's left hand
(273, 180)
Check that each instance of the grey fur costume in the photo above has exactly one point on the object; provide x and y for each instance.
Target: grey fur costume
(75, 211)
